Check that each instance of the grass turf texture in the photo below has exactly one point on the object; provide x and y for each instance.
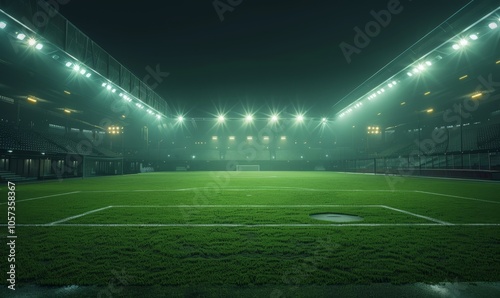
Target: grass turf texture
(252, 256)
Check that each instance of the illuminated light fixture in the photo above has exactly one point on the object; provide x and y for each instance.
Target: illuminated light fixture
(421, 67)
(464, 42)
(427, 93)
(473, 36)
(428, 63)
(379, 114)
(463, 77)
(3, 25)
(108, 87)
(409, 74)
(266, 138)
(283, 138)
(21, 36)
(83, 71)
(10, 151)
(299, 118)
(67, 92)
(232, 138)
(67, 111)
(274, 118)
(394, 83)
(390, 85)
(403, 103)
(39, 46)
(249, 138)
(456, 47)
(88, 75)
(104, 85)
(477, 95)
(248, 118)
(379, 92)
(492, 25)
(68, 64)
(429, 110)
(221, 118)
(214, 138)
(31, 42)
(121, 94)
(324, 120)
(383, 90)
(31, 99)
(180, 118)
(113, 91)
(76, 67)
(158, 116)
(498, 62)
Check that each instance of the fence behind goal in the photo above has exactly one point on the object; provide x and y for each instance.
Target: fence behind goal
(247, 167)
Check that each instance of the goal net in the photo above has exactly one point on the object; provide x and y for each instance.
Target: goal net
(102, 166)
(247, 167)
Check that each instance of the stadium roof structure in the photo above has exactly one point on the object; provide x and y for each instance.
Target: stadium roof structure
(455, 62)
(66, 73)
(54, 67)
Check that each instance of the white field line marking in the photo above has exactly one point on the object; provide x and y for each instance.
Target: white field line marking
(243, 206)
(77, 216)
(458, 197)
(262, 225)
(44, 197)
(248, 189)
(418, 215)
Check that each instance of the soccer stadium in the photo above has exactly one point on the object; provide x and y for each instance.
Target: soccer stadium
(387, 188)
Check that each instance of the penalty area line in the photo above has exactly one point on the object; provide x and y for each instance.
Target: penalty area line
(418, 215)
(77, 216)
(44, 197)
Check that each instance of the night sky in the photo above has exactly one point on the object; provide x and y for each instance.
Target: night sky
(263, 55)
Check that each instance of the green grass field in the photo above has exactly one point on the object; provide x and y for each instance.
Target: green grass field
(252, 229)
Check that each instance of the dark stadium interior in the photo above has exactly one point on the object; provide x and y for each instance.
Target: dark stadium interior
(71, 109)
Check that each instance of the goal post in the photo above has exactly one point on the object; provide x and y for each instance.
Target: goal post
(93, 166)
(247, 168)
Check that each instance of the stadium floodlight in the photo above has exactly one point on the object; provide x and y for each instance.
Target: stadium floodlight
(456, 47)
(39, 46)
(248, 118)
(394, 83)
(180, 118)
(76, 67)
(215, 138)
(274, 118)
(232, 138)
(31, 42)
(283, 138)
(88, 75)
(221, 118)
(21, 36)
(464, 42)
(428, 63)
(83, 71)
(473, 36)
(109, 87)
(104, 84)
(114, 90)
(299, 118)
(324, 120)
(158, 116)
(409, 74)
(68, 64)
(493, 25)
(390, 85)
(249, 138)
(3, 25)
